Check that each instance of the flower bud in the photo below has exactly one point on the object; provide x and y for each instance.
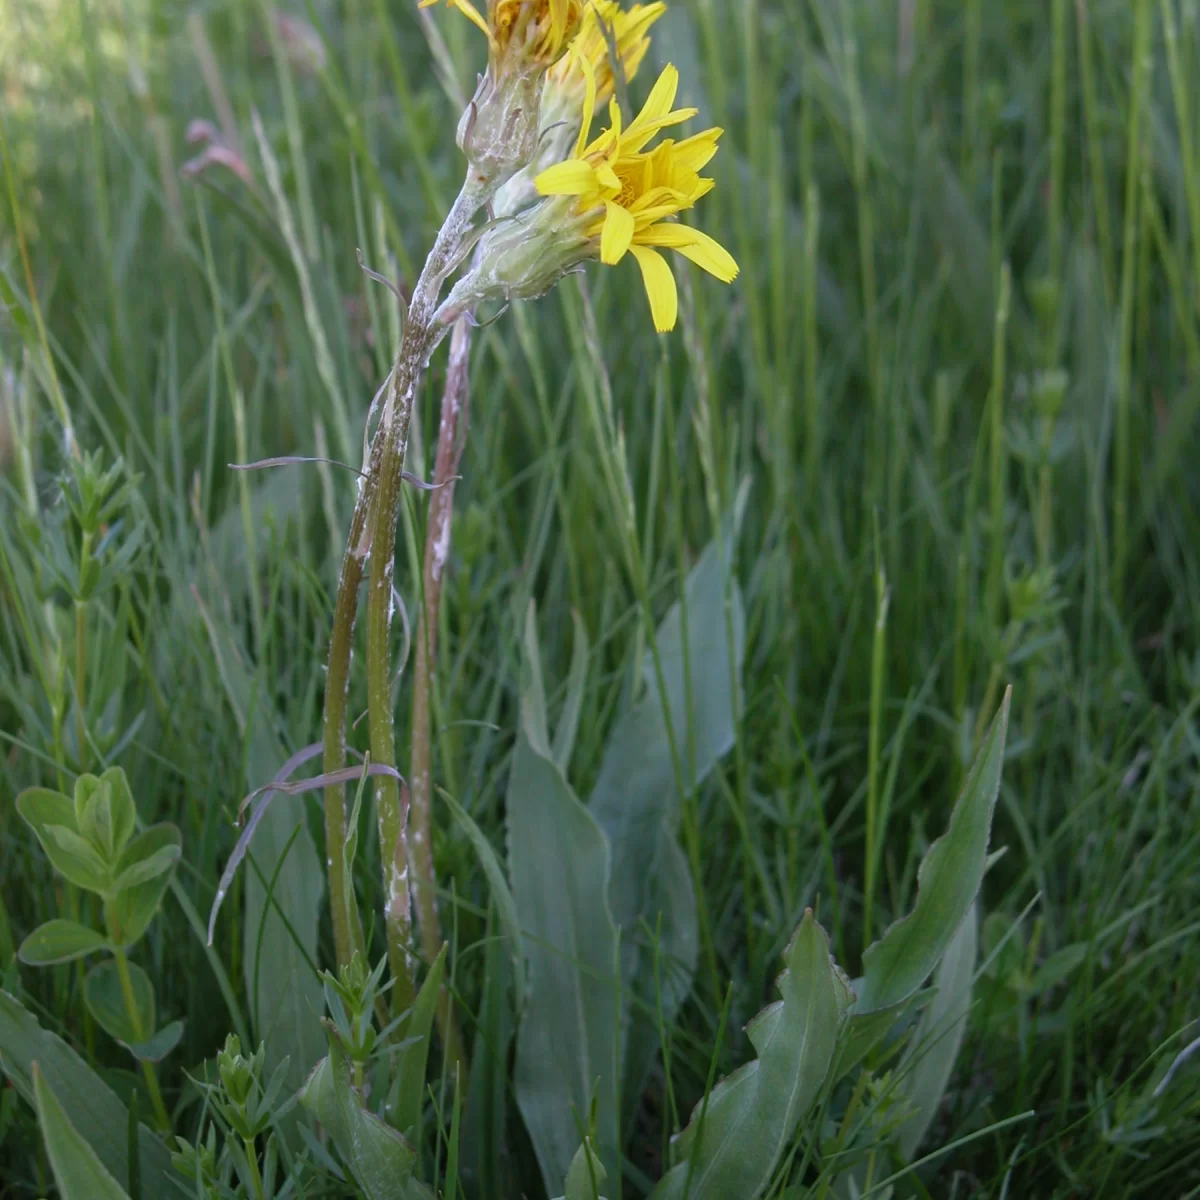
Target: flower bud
(522, 257)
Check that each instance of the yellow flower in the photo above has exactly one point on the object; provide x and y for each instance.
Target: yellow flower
(628, 194)
(536, 30)
(606, 26)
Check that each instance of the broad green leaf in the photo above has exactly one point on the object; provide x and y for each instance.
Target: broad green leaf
(636, 798)
(408, 1085)
(558, 859)
(60, 941)
(493, 871)
(78, 1171)
(44, 811)
(279, 942)
(157, 1048)
(947, 882)
(378, 1158)
(735, 1140)
(938, 1038)
(134, 908)
(90, 1104)
(143, 867)
(106, 1001)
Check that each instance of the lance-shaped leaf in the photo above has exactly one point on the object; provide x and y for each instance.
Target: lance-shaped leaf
(90, 1104)
(558, 859)
(51, 816)
(636, 798)
(737, 1135)
(948, 880)
(79, 1173)
(938, 1038)
(947, 883)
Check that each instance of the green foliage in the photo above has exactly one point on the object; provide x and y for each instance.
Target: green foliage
(965, 319)
(379, 1160)
(94, 1111)
(739, 1132)
(78, 1171)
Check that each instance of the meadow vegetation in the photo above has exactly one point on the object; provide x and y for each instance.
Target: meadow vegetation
(886, 560)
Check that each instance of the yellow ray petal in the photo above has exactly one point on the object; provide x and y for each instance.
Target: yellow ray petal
(640, 132)
(571, 178)
(661, 98)
(617, 233)
(660, 287)
(589, 104)
(696, 152)
(468, 10)
(705, 252)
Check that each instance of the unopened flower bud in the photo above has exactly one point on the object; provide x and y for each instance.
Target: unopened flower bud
(522, 257)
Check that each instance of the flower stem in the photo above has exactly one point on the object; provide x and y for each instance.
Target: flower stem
(373, 536)
(347, 926)
(437, 549)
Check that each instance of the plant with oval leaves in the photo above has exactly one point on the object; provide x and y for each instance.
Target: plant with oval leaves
(91, 842)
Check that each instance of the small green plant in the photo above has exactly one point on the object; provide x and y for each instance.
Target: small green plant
(246, 1108)
(90, 841)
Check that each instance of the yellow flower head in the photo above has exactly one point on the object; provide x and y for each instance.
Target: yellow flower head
(627, 195)
(535, 31)
(606, 27)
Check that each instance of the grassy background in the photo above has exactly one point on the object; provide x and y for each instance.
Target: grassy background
(925, 237)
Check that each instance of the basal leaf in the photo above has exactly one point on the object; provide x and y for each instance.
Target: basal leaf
(558, 860)
(78, 1171)
(60, 941)
(938, 1038)
(947, 881)
(90, 1104)
(735, 1140)
(636, 798)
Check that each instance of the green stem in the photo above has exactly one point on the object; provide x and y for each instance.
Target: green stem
(437, 548)
(347, 926)
(422, 333)
(135, 1017)
(80, 692)
(252, 1163)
